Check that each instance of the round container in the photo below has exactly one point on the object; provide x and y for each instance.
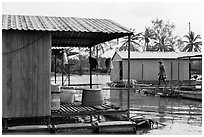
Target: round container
(67, 94)
(92, 97)
(55, 97)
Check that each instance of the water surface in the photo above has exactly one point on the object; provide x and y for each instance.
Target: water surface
(182, 116)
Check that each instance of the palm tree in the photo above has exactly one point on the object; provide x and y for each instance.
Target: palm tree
(163, 39)
(133, 43)
(147, 35)
(192, 43)
(163, 44)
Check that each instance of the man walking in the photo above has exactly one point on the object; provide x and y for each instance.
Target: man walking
(162, 74)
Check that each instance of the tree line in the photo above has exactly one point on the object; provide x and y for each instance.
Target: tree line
(159, 37)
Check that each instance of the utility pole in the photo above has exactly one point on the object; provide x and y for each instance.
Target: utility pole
(189, 57)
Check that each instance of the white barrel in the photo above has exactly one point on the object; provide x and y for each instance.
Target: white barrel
(92, 97)
(67, 94)
(55, 97)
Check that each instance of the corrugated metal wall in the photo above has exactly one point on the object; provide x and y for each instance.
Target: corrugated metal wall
(26, 57)
(147, 70)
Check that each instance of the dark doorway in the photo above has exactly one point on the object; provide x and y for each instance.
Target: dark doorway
(121, 69)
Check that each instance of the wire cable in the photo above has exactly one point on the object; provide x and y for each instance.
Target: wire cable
(25, 46)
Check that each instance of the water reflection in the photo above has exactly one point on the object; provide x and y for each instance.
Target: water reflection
(181, 116)
(170, 111)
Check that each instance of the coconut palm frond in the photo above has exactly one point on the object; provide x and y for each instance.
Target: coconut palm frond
(192, 43)
(197, 37)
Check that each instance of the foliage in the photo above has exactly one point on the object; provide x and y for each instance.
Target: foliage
(164, 39)
(196, 67)
(193, 43)
(146, 36)
(134, 45)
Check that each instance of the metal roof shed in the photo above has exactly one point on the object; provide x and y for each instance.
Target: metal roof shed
(26, 56)
(144, 65)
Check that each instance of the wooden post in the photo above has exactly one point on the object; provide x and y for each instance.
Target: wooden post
(178, 70)
(62, 69)
(90, 69)
(142, 71)
(189, 71)
(68, 74)
(128, 77)
(171, 71)
(55, 66)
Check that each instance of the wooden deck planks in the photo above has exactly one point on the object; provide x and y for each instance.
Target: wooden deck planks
(73, 109)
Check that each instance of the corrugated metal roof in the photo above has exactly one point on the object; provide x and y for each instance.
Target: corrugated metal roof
(51, 23)
(156, 55)
(68, 31)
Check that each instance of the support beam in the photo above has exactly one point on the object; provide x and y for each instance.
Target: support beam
(55, 55)
(90, 70)
(62, 69)
(68, 74)
(142, 71)
(171, 71)
(128, 77)
(178, 70)
(189, 77)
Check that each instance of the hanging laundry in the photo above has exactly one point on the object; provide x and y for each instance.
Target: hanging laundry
(65, 59)
(108, 64)
(93, 62)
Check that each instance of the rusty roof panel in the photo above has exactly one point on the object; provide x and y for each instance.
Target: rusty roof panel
(48, 23)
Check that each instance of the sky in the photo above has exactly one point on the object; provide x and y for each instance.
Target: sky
(131, 14)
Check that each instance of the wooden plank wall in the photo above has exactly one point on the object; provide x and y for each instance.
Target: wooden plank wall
(26, 65)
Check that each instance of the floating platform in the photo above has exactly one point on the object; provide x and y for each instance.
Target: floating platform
(110, 127)
(76, 109)
(193, 95)
(103, 127)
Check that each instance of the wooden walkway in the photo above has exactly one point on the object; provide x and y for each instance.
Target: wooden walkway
(76, 109)
(73, 109)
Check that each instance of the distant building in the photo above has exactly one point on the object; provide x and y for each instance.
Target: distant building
(144, 66)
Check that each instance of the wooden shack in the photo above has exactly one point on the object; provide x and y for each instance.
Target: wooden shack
(26, 73)
(26, 56)
(145, 66)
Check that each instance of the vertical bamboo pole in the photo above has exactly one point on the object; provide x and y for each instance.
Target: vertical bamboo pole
(178, 70)
(189, 71)
(68, 74)
(62, 69)
(171, 71)
(55, 65)
(142, 71)
(90, 69)
(128, 77)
